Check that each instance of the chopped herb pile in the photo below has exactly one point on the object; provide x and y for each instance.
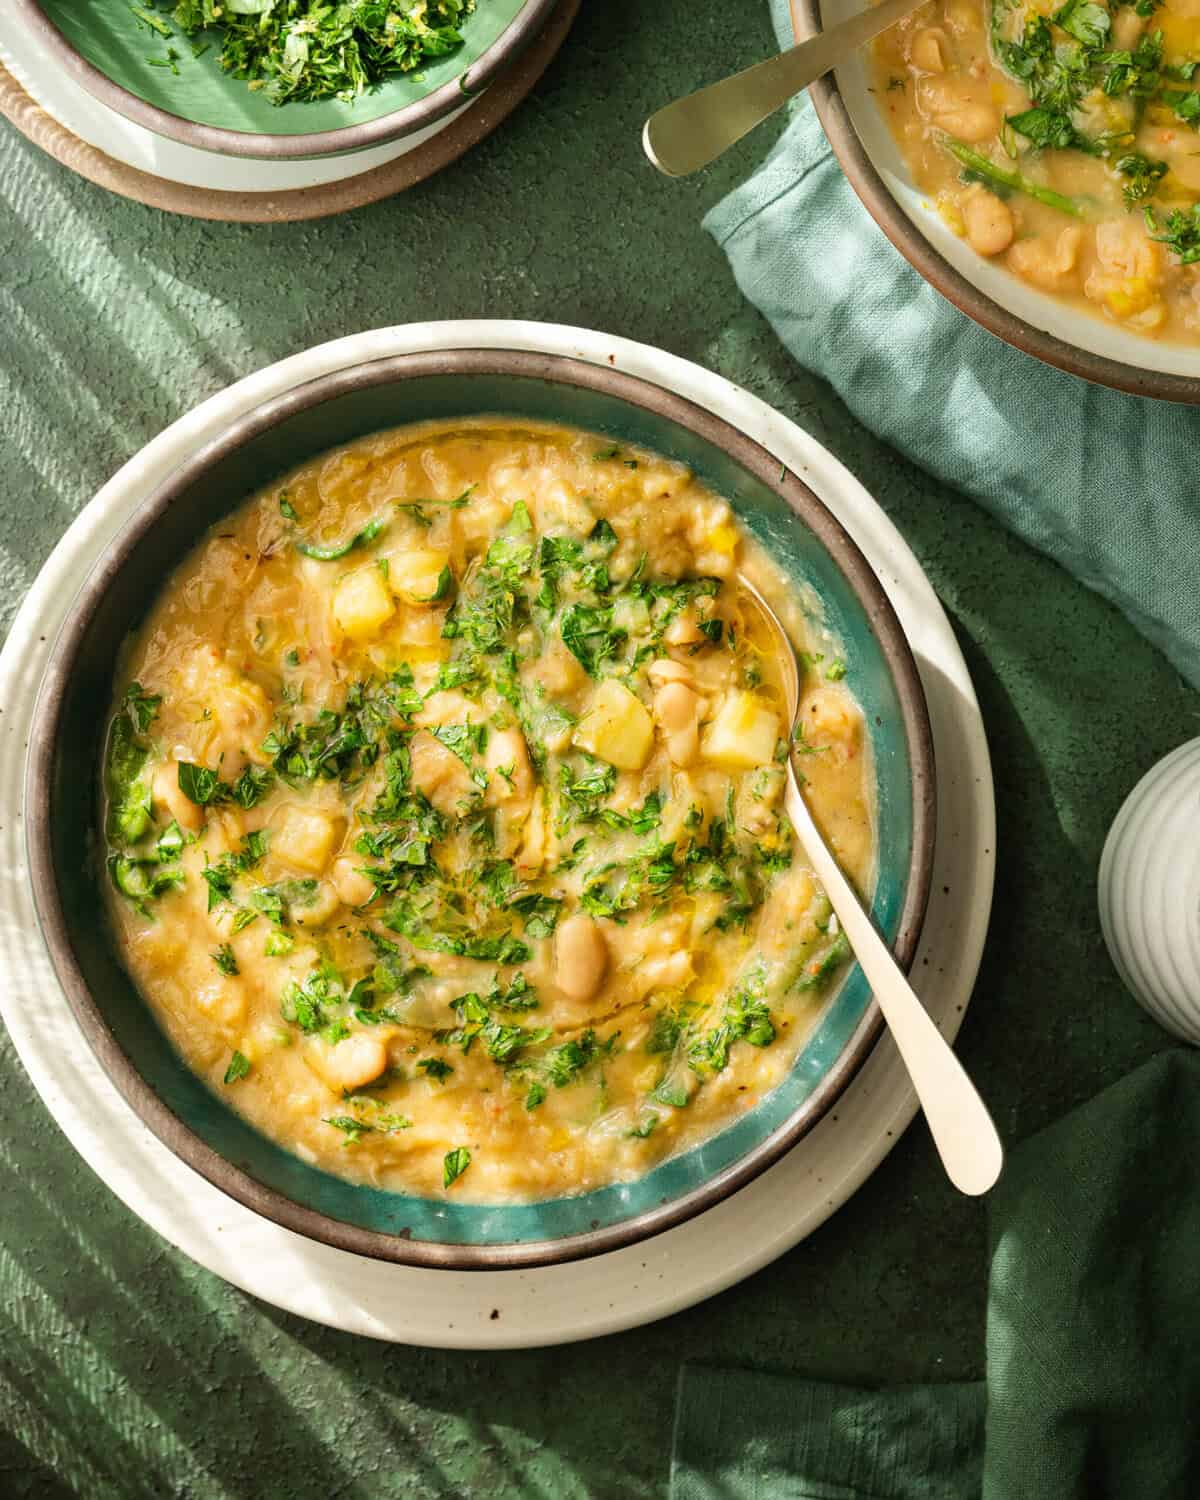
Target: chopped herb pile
(1074, 76)
(309, 50)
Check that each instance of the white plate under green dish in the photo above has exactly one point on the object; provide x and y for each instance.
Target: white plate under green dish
(27, 59)
(557, 1303)
(118, 59)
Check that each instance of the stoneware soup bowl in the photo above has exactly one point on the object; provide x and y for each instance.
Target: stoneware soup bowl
(62, 800)
(1051, 329)
(120, 60)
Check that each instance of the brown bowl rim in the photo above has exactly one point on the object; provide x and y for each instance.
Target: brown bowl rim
(951, 283)
(398, 123)
(163, 1122)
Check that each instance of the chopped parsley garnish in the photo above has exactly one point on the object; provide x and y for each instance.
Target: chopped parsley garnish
(745, 1017)
(589, 634)
(1064, 61)
(501, 1040)
(382, 1122)
(128, 790)
(556, 1067)
(226, 962)
(435, 1068)
(239, 1067)
(221, 875)
(143, 880)
(454, 1164)
(672, 1092)
(465, 740)
(584, 789)
(296, 50)
(320, 1005)
(331, 551)
(141, 707)
(206, 789)
(1182, 236)
(419, 509)
(1142, 176)
(277, 901)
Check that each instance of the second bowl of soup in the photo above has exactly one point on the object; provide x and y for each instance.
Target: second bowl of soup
(1035, 163)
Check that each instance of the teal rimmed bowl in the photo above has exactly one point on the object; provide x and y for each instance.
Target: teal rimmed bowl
(120, 61)
(62, 812)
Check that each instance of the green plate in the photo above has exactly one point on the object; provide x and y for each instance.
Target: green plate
(113, 56)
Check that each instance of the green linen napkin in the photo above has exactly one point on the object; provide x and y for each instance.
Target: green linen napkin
(1105, 483)
(1093, 1342)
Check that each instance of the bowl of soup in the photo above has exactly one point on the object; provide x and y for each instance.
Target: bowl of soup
(285, 80)
(405, 813)
(1037, 163)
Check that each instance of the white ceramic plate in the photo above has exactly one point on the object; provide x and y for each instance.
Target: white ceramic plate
(554, 1304)
(77, 111)
(1042, 313)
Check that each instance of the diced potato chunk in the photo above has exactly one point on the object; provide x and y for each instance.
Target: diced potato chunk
(743, 734)
(362, 603)
(304, 840)
(616, 727)
(418, 576)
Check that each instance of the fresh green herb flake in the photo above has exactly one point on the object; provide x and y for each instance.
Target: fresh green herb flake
(239, 1067)
(226, 962)
(454, 1164)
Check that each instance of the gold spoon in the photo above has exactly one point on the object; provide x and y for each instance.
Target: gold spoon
(695, 130)
(958, 1119)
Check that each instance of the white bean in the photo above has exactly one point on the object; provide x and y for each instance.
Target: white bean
(354, 1061)
(989, 223)
(676, 709)
(506, 760)
(580, 957)
(353, 887)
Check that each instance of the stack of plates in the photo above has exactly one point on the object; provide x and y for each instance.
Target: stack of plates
(203, 144)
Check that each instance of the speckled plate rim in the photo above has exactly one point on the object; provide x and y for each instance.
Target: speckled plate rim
(492, 62)
(552, 1304)
(637, 394)
(907, 236)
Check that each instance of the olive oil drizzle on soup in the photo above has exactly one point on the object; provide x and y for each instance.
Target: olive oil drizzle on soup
(1063, 142)
(443, 800)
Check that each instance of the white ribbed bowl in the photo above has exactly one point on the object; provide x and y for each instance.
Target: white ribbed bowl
(1150, 892)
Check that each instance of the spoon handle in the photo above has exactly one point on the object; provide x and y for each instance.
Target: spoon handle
(958, 1119)
(691, 132)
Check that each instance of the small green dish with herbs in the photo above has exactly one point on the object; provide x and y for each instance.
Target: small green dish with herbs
(285, 78)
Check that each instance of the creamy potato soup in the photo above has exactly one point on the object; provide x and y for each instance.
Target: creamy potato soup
(443, 804)
(1063, 142)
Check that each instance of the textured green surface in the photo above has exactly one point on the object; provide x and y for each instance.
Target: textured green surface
(126, 1370)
